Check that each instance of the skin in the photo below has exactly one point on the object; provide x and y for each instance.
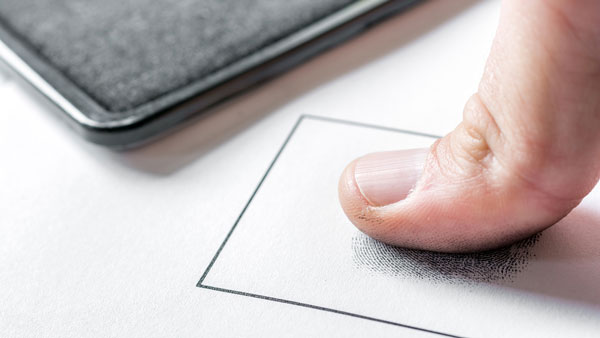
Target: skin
(527, 151)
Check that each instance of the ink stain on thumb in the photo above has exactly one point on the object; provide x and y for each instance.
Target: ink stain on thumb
(499, 265)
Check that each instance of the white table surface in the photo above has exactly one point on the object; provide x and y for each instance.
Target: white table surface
(95, 242)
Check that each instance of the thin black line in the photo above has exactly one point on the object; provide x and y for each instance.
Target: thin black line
(212, 262)
(321, 308)
(368, 125)
(222, 246)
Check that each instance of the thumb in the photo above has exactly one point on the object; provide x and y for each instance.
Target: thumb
(525, 154)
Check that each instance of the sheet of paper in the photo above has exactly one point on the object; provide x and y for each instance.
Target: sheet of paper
(294, 244)
(99, 243)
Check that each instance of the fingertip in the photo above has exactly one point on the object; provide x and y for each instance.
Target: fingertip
(355, 206)
(450, 210)
(376, 180)
(351, 199)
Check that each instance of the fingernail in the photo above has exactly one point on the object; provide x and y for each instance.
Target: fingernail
(387, 177)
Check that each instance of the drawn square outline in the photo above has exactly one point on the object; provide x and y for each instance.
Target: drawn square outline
(264, 177)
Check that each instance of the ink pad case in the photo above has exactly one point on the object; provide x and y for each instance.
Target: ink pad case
(125, 71)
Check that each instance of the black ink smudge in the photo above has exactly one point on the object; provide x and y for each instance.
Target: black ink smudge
(489, 266)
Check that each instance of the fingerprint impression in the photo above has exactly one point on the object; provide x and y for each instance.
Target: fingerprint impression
(499, 265)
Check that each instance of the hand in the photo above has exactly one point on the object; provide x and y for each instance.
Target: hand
(525, 154)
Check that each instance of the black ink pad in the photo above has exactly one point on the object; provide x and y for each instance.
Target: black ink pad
(126, 70)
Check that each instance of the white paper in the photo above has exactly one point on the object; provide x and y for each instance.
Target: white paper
(99, 243)
(294, 243)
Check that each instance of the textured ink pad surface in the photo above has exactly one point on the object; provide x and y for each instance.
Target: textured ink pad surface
(126, 60)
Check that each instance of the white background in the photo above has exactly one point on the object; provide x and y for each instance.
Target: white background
(294, 242)
(95, 242)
